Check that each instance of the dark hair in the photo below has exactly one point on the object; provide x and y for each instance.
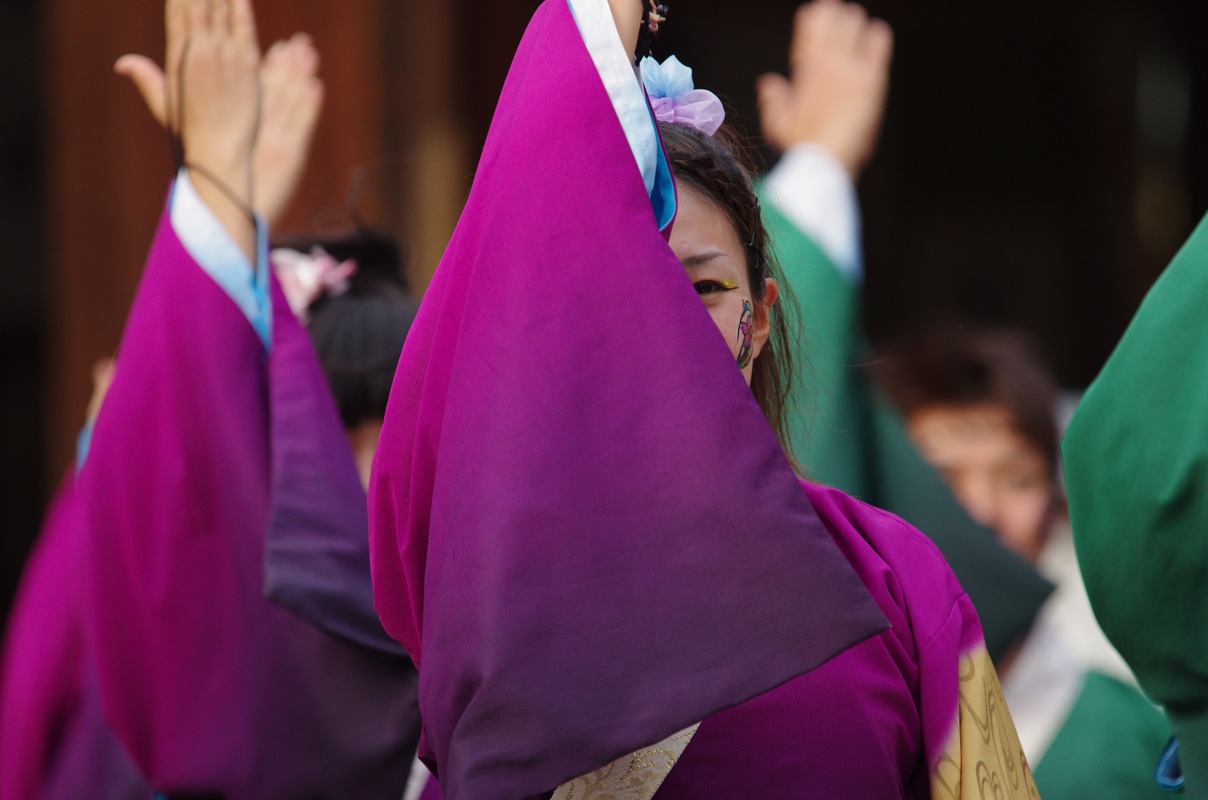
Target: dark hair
(359, 335)
(961, 366)
(717, 166)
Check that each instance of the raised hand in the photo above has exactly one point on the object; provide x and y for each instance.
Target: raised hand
(212, 85)
(839, 76)
(209, 98)
(291, 97)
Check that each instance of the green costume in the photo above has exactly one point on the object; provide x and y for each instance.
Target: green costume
(847, 436)
(1136, 463)
(1106, 748)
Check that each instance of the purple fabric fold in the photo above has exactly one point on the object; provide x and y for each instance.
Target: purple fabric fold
(54, 742)
(211, 688)
(316, 562)
(868, 723)
(583, 529)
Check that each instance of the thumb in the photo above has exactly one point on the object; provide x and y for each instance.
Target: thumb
(148, 78)
(878, 43)
(775, 96)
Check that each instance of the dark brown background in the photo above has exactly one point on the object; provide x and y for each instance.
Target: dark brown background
(1036, 168)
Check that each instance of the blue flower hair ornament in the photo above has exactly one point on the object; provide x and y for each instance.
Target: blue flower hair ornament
(675, 99)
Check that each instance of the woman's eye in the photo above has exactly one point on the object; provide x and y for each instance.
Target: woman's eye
(711, 287)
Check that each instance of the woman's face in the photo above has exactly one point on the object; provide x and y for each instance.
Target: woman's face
(705, 242)
(1000, 477)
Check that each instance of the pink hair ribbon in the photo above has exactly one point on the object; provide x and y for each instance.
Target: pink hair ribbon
(305, 277)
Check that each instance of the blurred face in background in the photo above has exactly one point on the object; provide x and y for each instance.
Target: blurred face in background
(1001, 478)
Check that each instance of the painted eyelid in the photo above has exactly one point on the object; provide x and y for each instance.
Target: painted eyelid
(710, 286)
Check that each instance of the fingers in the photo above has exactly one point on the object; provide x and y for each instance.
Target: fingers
(812, 27)
(295, 58)
(219, 88)
(277, 49)
(197, 17)
(292, 99)
(220, 15)
(830, 26)
(878, 43)
(175, 35)
(775, 97)
(243, 23)
(232, 17)
(175, 31)
(276, 84)
(292, 92)
(837, 25)
(839, 68)
(149, 79)
(304, 52)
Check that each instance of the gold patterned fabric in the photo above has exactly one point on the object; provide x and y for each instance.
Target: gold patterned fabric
(637, 776)
(984, 759)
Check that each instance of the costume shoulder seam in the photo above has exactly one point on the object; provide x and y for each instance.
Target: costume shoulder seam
(952, 611)
(897, 521)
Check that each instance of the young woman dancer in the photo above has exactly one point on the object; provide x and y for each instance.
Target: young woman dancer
(583, 527)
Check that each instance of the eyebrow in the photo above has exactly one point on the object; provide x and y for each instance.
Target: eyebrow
(701, 258)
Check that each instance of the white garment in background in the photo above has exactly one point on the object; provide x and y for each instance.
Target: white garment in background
(815, 192)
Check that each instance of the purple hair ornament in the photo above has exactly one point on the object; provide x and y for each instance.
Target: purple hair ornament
(675, 99)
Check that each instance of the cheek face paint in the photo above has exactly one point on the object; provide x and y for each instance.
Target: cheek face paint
(746, 329)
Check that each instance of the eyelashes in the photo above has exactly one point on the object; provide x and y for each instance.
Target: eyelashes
(713, 287)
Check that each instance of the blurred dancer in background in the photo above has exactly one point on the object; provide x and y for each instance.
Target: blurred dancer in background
(824, 118)
(219, 473)
(54, 741)
(1136, 468)
(981, 408)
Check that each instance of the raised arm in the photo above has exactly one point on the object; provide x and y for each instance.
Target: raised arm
(213, 105)
(627, 14)
(212, 689)
(824, 118)
(838, 79)
(291, 100)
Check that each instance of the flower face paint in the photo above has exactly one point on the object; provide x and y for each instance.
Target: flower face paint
(746, 329)
(715, 261)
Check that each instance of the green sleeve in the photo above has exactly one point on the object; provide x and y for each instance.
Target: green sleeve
(827, 426)
(1136, 463)
(845, 435)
